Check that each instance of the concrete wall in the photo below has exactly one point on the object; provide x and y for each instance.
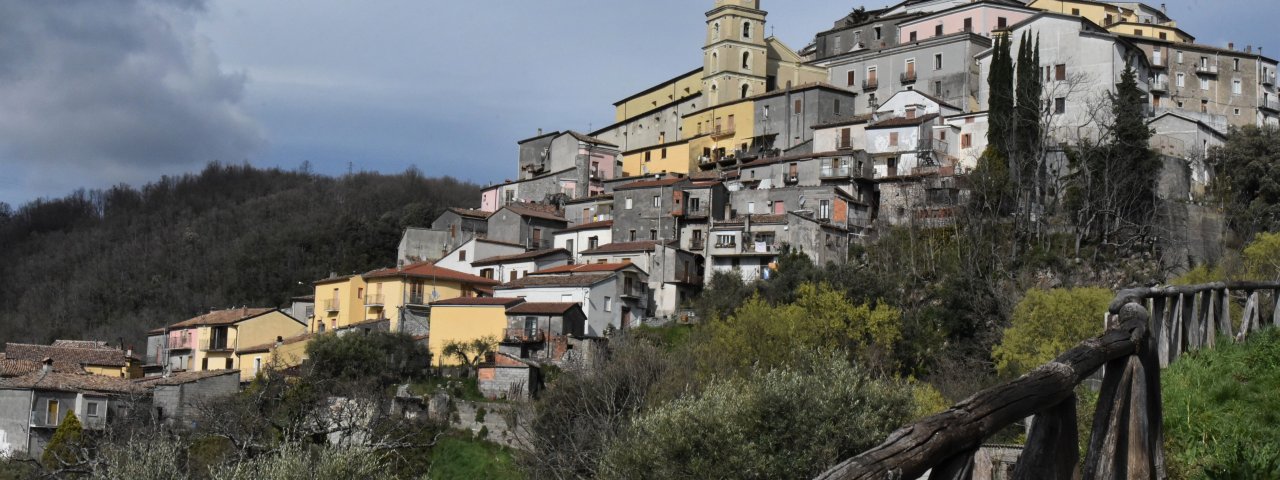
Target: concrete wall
(535, 153)
(15, 414)
(661, 124)
(581, 240)
(507, 226)
(460, 259)
(956, 83)
(777, 114)
(642, 216)
(420, 244)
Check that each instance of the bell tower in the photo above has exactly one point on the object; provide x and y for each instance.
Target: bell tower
(735, 58)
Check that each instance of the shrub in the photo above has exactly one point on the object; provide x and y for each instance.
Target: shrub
(64, 447)
(784, 423)
(1047, 323)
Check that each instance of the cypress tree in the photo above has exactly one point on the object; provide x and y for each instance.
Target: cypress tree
(1000, 85)
(1027, 113)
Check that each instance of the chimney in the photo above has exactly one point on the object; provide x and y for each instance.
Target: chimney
(1164, 8)
(1231, 46)
(539, 132)
(48, 365)
(279, 341)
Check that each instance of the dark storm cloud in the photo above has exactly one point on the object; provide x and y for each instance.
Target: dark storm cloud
(119, 90)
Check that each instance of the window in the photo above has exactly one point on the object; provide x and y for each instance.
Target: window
(839, 45)
(1237, 112)
(799, 106)
(1109, 20)
(1164, 36)
(968, 24)
(257, 365)
(1236, 87)
(1155, 57)
(648, 156)
(1060, 105)
(824, 209)
(937, 88)
(726, 240)
(608, 304)
(657, 201)
(91, 409)
(593, 242)
(751, 208)
(937, 30)
(1181, 80)
(1204, 83)
(462, 255)
(893, 139)
(746, 60)
(715, 30)
(1235, 62)
(1179, 56)
(746, 90)
(653, 234)
(51, 417)
(631, 236)
(628, 203)
(878, 33)
(1002, 22)
(746, 29)
(1060, 72)
(836, 106)
(1075, 11)
(937, 61)
(695, 204)
(568, 245)
(766, 112)
(512, 276)
(912, 36)
(664, 152)
(966, 140)
(1137, 31)
(911, 112)
(231, 363)
(1204, 106)
(852, 78)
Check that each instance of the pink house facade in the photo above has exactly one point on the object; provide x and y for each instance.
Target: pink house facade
(981, 18)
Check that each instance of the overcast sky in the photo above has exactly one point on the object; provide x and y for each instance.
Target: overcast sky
(98, 92)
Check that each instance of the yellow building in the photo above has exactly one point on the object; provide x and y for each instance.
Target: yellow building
(93, 357)
(283, 354)
(670, 157)
(1168, 33)
(1097, 12)
(339, 303)
(721, 131)
(664, 93)
(464, 320)
(212, 341)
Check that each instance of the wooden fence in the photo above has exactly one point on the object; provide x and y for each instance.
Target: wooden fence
(1147, 329)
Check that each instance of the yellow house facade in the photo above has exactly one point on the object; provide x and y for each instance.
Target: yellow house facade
(720, 131)
(1097, 12)
(339, 303)
(671, 157)
(283, 354)
(212, 341)
(400, 296)
(682, 86)
(464, 320)
(1169, 32)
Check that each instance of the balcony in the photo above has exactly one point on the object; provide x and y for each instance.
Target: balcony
(595, 175)
(697, 245)
(790, 179)
(1270, 104)
(933, 147)
(870, 84)
(539, 244)
(722, 131)
(332, 305)
(1207, 69)
(831, 173)
(907, 78)
(761, 247)
(844, 144)
(215, 345)
(1269, 80)
(523, 335)
(416, 300)
(696, 212)
(633, 290)
(1161, 85)
(376, 300)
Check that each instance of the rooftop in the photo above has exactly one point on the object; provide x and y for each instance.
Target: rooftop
(109, 357)
(663, 182)
(541, 308)
(546, 212)
(520, 256)
(71, 382)
(903, 121)
(478, 302)
(583, 268)
(471, 213)
(606, 224)
(428, 270)
(222, 317)
(534, 281)
(624, 247)
(183, 378)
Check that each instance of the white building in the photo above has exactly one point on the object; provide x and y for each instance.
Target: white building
(612, 295)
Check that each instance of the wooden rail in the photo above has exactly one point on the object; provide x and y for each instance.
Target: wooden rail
(1147, 329)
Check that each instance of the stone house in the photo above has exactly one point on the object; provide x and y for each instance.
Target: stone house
(176, 398)
(32, 406)
(528, 224)
(784, 118)
(940, 66)
(612, 296)
(539, 332)
(674, 275)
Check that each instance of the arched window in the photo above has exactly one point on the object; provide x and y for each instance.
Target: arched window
(746, 89)
(715, 30)
(746, 60)
(746, 29)
(715, 61)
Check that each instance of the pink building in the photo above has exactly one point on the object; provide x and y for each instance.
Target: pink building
(981, 17)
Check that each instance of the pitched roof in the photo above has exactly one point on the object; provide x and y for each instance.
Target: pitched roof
(223, 317)
(663, 182)
(587, 139)
(468, 212)
(844, 121)
(593, 198)
(77, 356)
(534, 281)
(776, 219)
(623, 247)
(606, 224)
(429, 270)
(542, 308)
(71, 382)
(183, 378)
(478, 302)
(535, 211)
(520, 256)
(82, 344)
(903, 121)
(266, 347)
(584, 268)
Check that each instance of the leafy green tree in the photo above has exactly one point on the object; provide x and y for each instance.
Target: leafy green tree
(385, 358)
(64, 449)
(1262, 257)
(1220, 411)
(791, 422)
(1047, 323)
(1246, 167)
(722, 295)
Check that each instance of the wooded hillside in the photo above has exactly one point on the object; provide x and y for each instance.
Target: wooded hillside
(112, 264)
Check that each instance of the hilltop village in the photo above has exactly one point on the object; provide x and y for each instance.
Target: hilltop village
(763, 150)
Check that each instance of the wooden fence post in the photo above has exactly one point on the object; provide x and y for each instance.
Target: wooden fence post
(1051, 451)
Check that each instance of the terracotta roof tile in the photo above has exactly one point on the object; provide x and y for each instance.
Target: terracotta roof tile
(533, 308)
(478, 302)
(473, 213)
(664, 182)
(622, 247)
(70, 382)
(222, 317)
(592, 140)
(266, 347)
(429, 270)
(82, 344)
(555, 281)
(76, 356)
(902, 121)
(583, 268)
(534, 210)
(183, 378)
(606, 224)
(520, 256)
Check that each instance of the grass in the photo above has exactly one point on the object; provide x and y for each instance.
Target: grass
(1222, 411)
(463, 457)
(668, 336)
(458, 388)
